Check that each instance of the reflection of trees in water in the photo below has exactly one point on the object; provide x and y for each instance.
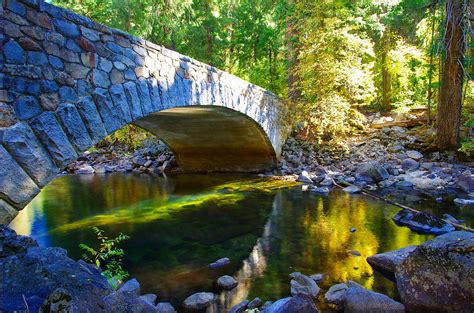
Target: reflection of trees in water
(253, 266)
(312, 234)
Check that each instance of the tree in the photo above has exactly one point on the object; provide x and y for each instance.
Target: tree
(450, 100)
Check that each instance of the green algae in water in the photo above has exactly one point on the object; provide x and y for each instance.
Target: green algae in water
(268, 228)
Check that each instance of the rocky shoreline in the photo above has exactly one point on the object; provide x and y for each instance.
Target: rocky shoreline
(437, 276)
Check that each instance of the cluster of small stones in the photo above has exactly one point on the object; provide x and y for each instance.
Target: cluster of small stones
(383, 160)
(66, 82)
(155, 158)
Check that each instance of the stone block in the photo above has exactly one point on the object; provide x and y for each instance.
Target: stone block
(15, 182)
(48, 129)
(67, 29)
(120, 100)
(74, 126)
(7, 212)
(67, 94)
(28, 151)
(144, 95)
(91, 117)
(133, 100)
(100, 78)
(108, 111)
(13, 52)
(27, 107)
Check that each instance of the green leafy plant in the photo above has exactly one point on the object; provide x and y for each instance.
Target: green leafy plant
(107, 256)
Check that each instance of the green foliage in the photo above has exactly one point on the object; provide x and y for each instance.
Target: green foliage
(108, 256)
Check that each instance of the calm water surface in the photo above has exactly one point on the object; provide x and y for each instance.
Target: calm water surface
(180, 224)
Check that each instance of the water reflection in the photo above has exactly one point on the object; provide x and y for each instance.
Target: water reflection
(178, 225)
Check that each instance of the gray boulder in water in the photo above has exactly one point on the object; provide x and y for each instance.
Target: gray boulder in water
(199, 301)
(422, 222)
(438, 276)
(297, 304)
(303, 284)
(357, 299)
(389, 261)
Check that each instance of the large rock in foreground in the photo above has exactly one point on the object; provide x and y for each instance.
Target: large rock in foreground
(438, 276)
(389, 261)
(40, 271)
(300, 303)
(357, 299)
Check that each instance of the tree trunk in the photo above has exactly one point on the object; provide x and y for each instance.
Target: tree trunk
(386, 77)
(449, 106)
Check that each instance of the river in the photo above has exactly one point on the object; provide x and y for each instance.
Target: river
(180, 224)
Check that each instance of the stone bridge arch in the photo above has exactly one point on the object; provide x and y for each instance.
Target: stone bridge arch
(66, 82)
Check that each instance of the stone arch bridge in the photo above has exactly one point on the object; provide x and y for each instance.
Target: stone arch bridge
(66, 82)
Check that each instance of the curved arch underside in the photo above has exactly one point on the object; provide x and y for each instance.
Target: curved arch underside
(211, 138)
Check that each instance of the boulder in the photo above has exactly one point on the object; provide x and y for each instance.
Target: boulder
(131, 286)
(352, 189)
(86, 169)
(357, 299)
(303, 284)
(389, 261)
(37, 274)
(464, 201)
(255, 303)
(413, 154)
(335, 294)
(227, 282)
(422, 222)
(199, 301)
(317, 277)
(320, 190)
(150, 298)
(410, 164)
(438, 276)
(123, 301)
(305, 178)
(220, 263)
(297, 304)
(466, 183)
(239, 307)
(165, 307)
(373, 170)
(11, 243)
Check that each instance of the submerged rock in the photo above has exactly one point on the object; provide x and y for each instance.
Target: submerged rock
(220, 263)
(199, 301)
(297, 304)
(335, 294)
(464, 201)
(303, 284)
(438, 276)
(422, 222)
(150, 298)
(227, 282)
(320, 190)
(165, 307)
(389, 261)
(357, 299)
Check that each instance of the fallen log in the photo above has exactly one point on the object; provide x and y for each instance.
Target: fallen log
(404, 123)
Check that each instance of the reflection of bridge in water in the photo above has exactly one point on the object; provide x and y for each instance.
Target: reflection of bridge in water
(253, 267)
